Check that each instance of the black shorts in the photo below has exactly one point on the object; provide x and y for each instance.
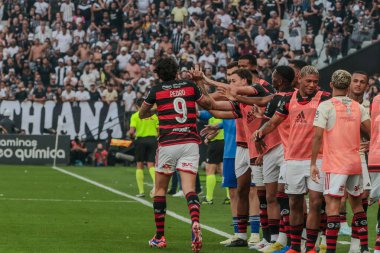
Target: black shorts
(145, 149)
(215, 150)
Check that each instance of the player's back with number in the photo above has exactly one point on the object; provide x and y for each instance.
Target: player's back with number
(176, 109)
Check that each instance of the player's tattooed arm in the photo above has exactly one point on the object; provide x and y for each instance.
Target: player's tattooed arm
(146, 111)
(240, 94)
(214, 83)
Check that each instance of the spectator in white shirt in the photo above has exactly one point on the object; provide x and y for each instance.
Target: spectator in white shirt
(123, 59)
(68, 10)
(42, 32)
(79, 32)
(88, 77)
(262, 41)
(82, 95)
(41, 8)
(70, 78)
(12, 49)
(207, 59)
(129, 97)
(64, 40)
(68, 95)
(224, 18)
(194, 8)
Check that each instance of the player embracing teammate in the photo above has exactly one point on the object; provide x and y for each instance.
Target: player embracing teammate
(320, 139)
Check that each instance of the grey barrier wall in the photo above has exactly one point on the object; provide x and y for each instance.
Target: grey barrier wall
(366, 59)
(34, 149)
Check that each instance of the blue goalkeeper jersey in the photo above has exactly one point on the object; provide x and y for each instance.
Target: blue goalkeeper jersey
(229, 127)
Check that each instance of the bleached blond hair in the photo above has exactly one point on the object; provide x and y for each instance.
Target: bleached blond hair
(341, 79)
(309, 70)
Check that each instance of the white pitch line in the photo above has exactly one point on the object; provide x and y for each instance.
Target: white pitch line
(147, 203)
(67, 200)
(142, 201)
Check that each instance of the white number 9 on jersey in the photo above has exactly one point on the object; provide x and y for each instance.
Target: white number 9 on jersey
(180, 108)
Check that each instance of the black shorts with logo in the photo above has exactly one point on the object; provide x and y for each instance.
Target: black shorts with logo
(146, 149)
(215, 150)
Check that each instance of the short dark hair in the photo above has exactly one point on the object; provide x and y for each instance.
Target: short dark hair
(361, 72)
(244, 74)
(166, 69)
(139, 102)
(233, 64)
(286, 73)
(250, 57)
(299, 64)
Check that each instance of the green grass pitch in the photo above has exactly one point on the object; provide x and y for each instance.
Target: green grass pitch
(43, 210)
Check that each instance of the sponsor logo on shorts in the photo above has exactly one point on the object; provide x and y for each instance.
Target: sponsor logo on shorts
(187, 165)
(166, 167)
(341, 188)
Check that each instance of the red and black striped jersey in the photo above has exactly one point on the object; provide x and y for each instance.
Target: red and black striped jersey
(176, 108)
(283, 106)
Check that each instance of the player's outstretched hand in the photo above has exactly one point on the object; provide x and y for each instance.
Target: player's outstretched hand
(209, 129)
(257, 112)
(196, 73)
(227, 92)
(314, 173)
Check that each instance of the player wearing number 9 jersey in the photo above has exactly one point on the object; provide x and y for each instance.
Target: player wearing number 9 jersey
(178, 143)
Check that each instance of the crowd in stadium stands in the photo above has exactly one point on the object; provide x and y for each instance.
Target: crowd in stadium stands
(81, 50)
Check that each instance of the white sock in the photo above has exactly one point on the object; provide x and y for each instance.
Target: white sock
(304, 234)
(273, 238)
(242, 236)
(344, 224)
(323, 240)
(355, 244)
(377, 251)
(282, 239)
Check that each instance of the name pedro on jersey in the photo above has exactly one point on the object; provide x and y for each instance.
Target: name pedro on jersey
(177, 93)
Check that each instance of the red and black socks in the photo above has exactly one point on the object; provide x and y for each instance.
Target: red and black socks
(193, 205)
(242, 226)
(159, 207)
(264, 214)
(312, 236)
(332, 231)
(283, 201)
(360, 229)
(296, 236)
